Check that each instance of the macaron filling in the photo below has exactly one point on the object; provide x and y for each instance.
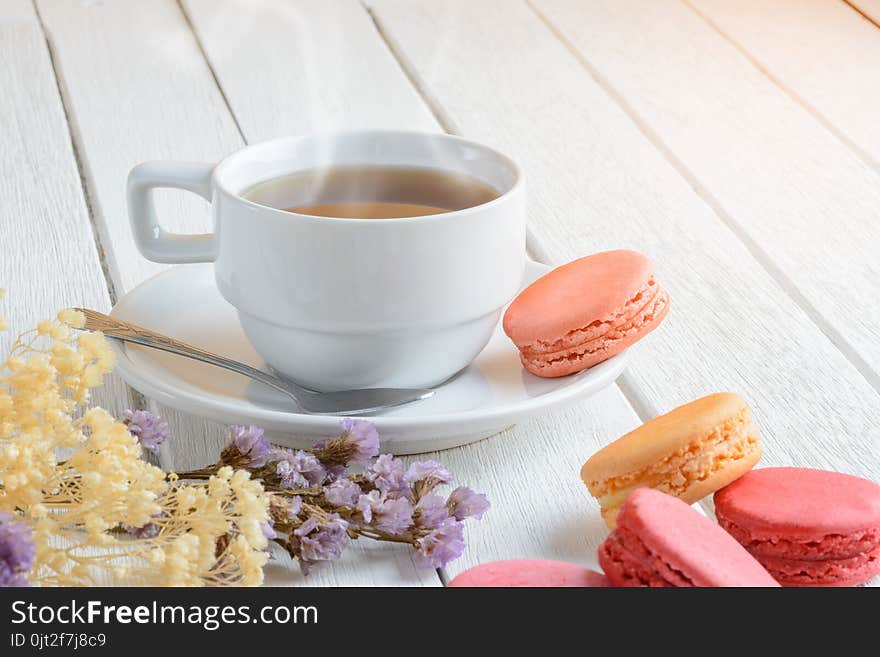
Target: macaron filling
(806, 548)
(591, 341)
(734, 439)
(823, 572)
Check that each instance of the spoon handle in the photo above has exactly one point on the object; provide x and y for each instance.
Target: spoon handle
(128, 332)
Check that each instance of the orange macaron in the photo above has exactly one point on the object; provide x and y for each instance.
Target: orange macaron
(585, 312)
(689, 453)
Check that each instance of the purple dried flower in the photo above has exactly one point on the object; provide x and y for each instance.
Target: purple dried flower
(425, 476)
(430, 512)
(362, 437)
(151, 430)
(269, 530)
(427, 470)
(150, 530)
(334, 472)
(310, 524)
(441, 545)
(342, 492)
(17, 551)
(465, 503)
(146, 531)
(294, 506)
(391, 515)
(394, 516)
(298, 469)
(387, 474)
(320, 541)
(248, 447)
(367, 503)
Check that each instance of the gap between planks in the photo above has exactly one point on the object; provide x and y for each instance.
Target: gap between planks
(189, 24)
(78, 159)
(758, 253)
(861, 12)
(138, 400)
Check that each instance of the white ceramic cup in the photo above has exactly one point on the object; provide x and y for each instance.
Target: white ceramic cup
(350, 303)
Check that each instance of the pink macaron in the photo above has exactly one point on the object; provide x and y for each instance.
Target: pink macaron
(808, 527)
(585, 312)
(661, 541)
(529, 573)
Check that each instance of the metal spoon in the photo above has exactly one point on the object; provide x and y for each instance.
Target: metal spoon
(343, 402)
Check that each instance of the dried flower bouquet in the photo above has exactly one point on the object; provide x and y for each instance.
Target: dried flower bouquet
(100, 514)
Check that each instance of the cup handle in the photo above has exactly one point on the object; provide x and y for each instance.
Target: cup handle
(153, 241)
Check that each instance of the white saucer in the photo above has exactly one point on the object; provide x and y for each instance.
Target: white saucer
(493, 393)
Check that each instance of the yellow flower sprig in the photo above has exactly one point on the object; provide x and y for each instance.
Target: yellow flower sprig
(195, 533)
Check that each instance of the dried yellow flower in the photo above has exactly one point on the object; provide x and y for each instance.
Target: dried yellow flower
(103, 515)
(72, 318)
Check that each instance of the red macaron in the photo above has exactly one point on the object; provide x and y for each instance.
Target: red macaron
(661, 541)
(585, 312)
(807, 527)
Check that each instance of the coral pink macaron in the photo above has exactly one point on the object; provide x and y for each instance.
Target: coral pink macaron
(661, 541)
(529, 573)
(585, 312)
(808, 527)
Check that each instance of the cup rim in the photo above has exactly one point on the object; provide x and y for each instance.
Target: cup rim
(231, 159)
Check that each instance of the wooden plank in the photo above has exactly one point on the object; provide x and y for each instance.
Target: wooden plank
(138, 88)
(597, 182)
(805, 204)
(49, 260)
(870, 9)
(340, 57)
(820, 51)
(304, 65)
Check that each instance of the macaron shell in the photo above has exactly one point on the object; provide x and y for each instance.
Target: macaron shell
(800, 503)
(587, 290)
(529, 573)
(691, 548)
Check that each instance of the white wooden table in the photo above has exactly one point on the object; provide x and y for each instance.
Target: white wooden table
(736, 142)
